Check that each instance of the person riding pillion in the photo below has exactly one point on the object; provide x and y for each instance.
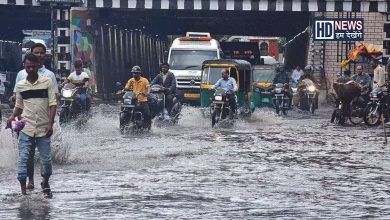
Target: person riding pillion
(140, 86)
(229, 85)
(168, 80)
(80, 78)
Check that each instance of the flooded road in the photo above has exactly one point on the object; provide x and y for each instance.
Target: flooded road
(293, 167)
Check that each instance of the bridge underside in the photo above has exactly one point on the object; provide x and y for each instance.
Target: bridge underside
(177, 22)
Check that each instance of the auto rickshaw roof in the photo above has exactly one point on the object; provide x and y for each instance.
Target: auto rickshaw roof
(240, 64)
(256, 67)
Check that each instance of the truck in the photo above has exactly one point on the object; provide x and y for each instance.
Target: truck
(185, 58)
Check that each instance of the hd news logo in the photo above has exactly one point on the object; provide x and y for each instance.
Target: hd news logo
(338, 29)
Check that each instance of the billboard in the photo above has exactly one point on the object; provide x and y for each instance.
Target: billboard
(338, 29)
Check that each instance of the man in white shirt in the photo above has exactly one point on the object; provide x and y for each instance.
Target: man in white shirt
(79, 78)
(297, 74)
(379, 79)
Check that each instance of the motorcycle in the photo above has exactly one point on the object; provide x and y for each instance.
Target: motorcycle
(220, 107)
(158, 110)
(350, 104)
(308, 99)
(376, 107)
(71, 106)
(132, 112)
(280, 98)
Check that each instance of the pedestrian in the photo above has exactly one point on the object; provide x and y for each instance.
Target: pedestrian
(379, 79)
(36, 105)
(39, 50)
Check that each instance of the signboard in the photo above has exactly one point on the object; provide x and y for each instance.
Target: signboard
(338, 29)
(248, 51)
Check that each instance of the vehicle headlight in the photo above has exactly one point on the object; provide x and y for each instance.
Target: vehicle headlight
(127, 101)
(278, 90)
(312, 88)
(67, 93)
(218, 98)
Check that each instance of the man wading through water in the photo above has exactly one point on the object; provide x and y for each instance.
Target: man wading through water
(39, 50)
(36, 104)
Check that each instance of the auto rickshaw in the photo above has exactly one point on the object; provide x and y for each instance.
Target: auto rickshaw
(240, 70)
(263, 77)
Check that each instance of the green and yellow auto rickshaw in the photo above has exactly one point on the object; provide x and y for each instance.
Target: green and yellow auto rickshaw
(263, 77)
(240, 70)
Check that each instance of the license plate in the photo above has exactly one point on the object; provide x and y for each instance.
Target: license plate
(191, 95)
(265, 100)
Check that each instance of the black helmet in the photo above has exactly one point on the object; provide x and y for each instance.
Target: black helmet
(136, 69)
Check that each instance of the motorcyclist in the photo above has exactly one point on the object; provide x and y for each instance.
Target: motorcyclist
(364, 80)
(79, 78)
(308, 78)
(283, 78)
(308, 73)
(229, 85)
(140, 86)
(168, 80)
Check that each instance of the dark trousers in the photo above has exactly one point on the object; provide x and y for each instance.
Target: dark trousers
(146, 111)
(169, 102)
(232, 101)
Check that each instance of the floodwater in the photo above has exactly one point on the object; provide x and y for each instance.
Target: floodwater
(267, 167)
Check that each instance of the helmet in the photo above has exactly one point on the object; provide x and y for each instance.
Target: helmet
(136, 69)
(308, 68)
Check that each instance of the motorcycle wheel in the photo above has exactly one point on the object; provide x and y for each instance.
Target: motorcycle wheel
(372, 115)
(277, 107)
(356, 115)
(284, 111)
(64, 115)
(337, 117)
(215, 117)
(304, 102)
(123, 122)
